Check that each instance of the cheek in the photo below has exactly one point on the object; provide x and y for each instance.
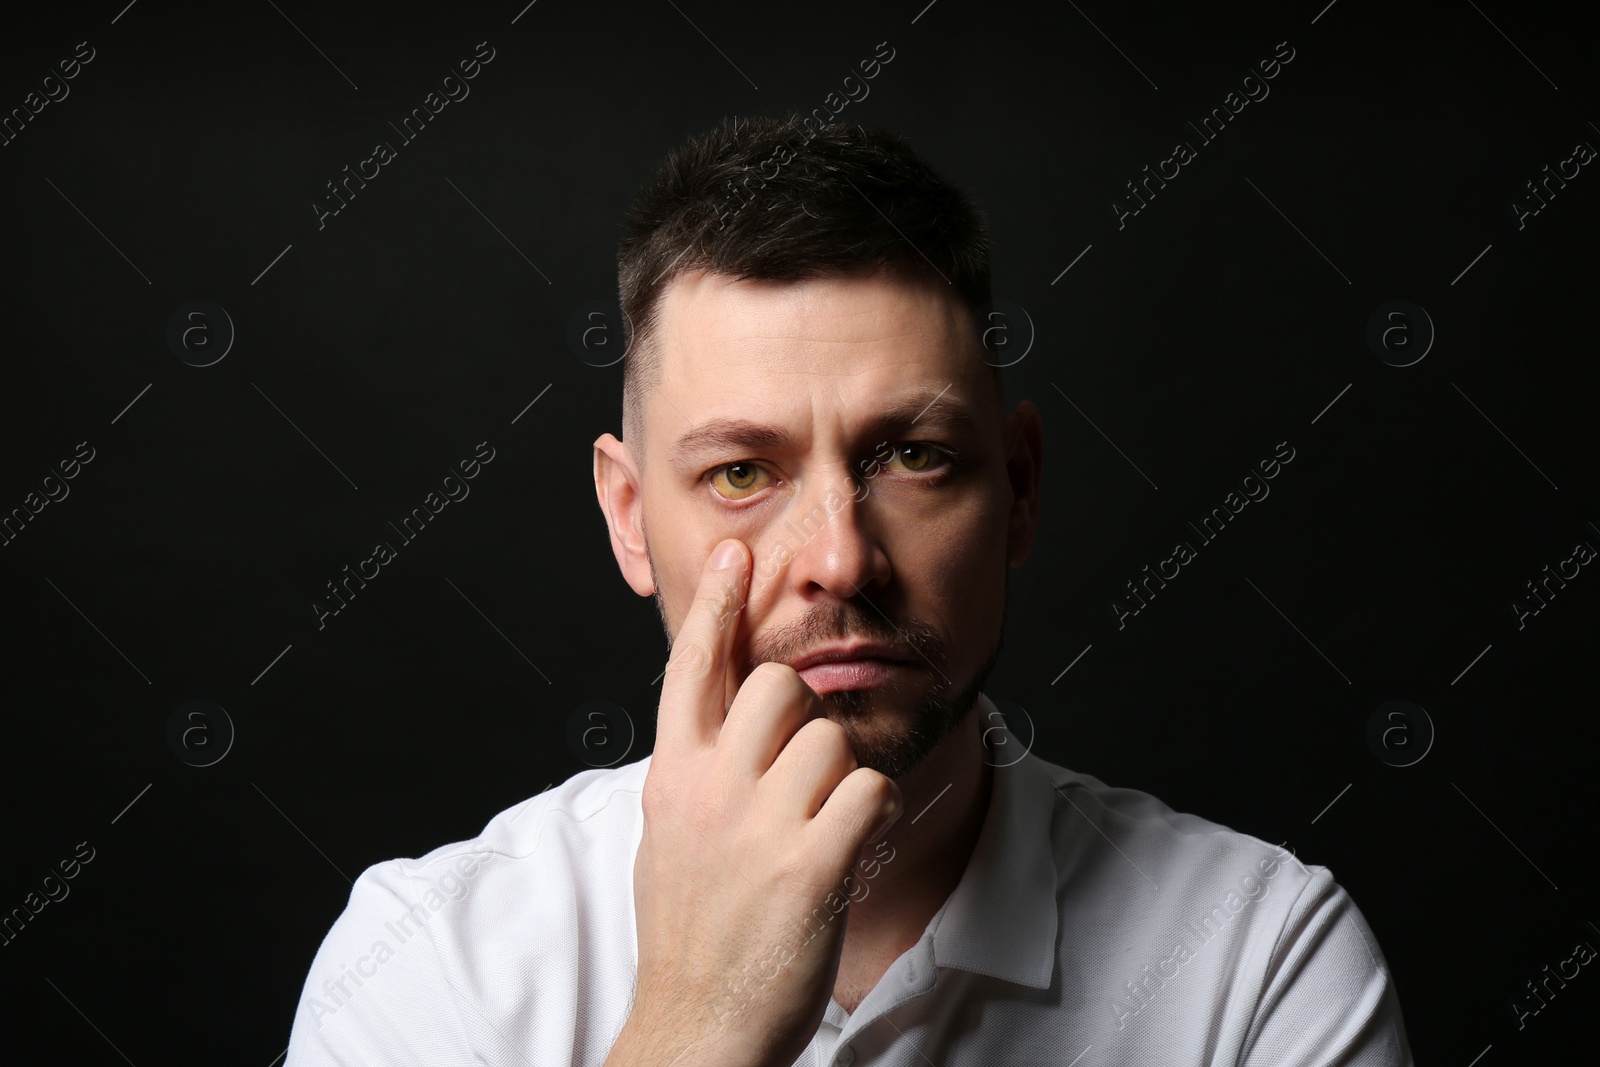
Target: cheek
(953, 564)
(969, 532)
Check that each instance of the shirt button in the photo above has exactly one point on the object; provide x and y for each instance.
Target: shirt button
(846, 1057)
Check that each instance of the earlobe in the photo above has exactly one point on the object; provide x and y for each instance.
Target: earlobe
(616, 484)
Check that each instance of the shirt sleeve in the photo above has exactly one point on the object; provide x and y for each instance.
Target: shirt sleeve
(1328, 998)
(378, 992)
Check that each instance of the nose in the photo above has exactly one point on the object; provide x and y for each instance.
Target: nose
(828, 539)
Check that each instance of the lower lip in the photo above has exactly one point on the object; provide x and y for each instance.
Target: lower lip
(827, 678)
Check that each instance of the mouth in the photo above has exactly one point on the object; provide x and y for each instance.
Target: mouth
(859, 667)
(835, 677)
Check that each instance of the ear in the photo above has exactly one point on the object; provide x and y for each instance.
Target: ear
(1024, 466)
(618, 486)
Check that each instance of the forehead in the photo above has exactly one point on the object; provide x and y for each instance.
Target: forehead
(841, 348)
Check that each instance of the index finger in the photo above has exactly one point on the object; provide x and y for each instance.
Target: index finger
(698, 685)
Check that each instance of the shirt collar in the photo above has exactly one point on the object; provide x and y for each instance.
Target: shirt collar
(1001, 919)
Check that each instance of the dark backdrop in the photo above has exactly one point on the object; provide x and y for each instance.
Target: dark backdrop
(1172, 350)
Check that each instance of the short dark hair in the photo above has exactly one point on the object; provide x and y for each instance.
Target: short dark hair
(786, 199)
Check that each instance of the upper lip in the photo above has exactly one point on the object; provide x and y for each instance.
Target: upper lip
(842, 653)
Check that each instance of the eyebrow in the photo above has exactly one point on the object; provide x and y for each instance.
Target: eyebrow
(731, 434)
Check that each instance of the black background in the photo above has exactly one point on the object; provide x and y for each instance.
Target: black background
(1224, 318)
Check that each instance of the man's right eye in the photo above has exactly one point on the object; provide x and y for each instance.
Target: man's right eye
(742, 480)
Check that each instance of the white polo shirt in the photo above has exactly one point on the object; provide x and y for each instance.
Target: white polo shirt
(1093, 926)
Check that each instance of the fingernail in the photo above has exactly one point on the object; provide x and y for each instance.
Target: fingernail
(726, 555)
(891, 815)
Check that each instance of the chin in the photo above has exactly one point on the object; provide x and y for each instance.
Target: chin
(890, 730)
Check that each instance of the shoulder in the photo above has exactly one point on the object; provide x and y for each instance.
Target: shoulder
(543, 883)
(586, 825)
(1216, 928)
(1176, 853)
(535, 858)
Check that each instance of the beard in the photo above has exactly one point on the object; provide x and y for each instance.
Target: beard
(894, 751)
(866, 715)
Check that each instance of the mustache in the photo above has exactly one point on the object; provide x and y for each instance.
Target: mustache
(912, 637)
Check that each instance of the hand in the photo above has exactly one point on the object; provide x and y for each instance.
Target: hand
(753, 816)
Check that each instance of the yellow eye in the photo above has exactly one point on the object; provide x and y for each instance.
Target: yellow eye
(744, 479)
(917, 457)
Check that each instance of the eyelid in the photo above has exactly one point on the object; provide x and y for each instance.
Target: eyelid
(950, 455)
(720, 467)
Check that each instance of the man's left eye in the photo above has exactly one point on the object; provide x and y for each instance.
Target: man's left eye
(919, 456)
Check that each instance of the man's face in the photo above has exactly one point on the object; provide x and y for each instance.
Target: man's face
(868, 473)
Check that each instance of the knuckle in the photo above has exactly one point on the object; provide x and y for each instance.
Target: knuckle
(721, 603)
(688, 658)
(654, 802)
(829, 737)
(777, 679)
(715, 607)
(877, 787)
(709, 604)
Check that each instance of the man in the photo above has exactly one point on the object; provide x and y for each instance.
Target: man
(835, 853)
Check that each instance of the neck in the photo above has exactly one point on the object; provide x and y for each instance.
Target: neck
(909, 874)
